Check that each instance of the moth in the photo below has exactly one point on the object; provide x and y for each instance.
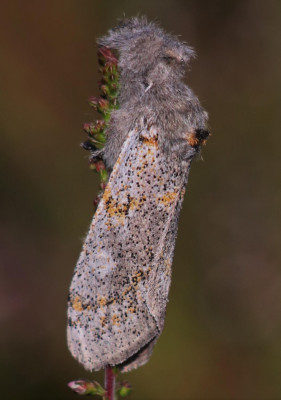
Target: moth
(119, 291)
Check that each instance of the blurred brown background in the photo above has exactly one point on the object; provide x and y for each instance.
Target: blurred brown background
(222, 334)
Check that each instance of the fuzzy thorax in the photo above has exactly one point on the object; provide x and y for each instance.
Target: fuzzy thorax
(152, 64)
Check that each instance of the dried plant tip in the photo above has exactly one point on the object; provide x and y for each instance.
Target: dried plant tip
(93, 102)
(84, 387)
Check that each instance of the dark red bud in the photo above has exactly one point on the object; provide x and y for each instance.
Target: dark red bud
(100, 124)
(103, 185)
(104, 89)
(103, 104)
(100, 165)
(107, 54)
(87, 127)
(93, 101)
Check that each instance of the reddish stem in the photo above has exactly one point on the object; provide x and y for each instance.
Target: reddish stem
(109, 383)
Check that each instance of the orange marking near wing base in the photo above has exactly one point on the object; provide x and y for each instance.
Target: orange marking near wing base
(192, 139)
(153, 141)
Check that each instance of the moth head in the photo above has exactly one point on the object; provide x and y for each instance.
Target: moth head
(173, 59)
(146, 51)
(177, 55)
(124, 33)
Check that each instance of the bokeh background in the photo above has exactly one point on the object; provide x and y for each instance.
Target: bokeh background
(222, 334)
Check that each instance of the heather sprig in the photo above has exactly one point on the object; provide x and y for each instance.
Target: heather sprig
(96, 131)
(93, 388)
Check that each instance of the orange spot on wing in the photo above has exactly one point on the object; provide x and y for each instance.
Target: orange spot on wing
(127, 290)
(119, 210)
(168, 267)
(168, 198)
(115, 320)
(152, 141)
(77, 304)
(102, 301)
(103, 321)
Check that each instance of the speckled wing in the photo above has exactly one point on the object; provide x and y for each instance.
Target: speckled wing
(120, 286)
(164, 270)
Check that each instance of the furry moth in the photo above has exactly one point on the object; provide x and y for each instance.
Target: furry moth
(119, 291)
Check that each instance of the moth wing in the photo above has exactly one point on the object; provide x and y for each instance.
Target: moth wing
(161, 277)
(119, 290)
(138, 359)
(160, 288)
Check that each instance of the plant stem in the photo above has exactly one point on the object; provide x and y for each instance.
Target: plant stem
(109, 383)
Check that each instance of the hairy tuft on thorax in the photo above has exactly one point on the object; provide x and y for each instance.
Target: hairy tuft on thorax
(152, 65)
